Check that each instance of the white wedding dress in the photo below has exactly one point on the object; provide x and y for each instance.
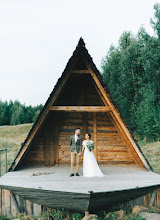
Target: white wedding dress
(90, 165)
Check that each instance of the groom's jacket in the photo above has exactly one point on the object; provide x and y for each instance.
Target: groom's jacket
(76, 146)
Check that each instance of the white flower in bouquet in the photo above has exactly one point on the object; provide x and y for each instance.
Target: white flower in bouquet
(90, 146)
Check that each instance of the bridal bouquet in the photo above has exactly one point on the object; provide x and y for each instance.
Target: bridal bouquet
(90, 146)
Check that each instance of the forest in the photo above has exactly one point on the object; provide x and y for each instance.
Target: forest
(131, 72)
(14, 113)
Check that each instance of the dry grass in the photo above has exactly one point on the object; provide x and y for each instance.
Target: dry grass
(11, 138)
(152, 153)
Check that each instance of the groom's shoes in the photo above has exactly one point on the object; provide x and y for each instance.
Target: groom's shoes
(77, 174)
(72, 174)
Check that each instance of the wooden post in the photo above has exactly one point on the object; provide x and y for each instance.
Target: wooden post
(57, 153)
(6, 203)
(153, 197)
(29, 207)
(85, 123)
(158, 196)
(16, 209)
(146, 199)
(60, 119)
(95, 133)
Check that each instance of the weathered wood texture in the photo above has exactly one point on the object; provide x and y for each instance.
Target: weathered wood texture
(72, 121)
(44, 146)
(52, 144)
(12, 204)
(53, 188)
(81, 108)
(109, 146)
(131, 197)
(25, 200)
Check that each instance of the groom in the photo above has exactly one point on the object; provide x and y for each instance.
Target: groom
(76, 149)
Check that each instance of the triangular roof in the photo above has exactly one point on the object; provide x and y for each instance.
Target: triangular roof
(81, 53)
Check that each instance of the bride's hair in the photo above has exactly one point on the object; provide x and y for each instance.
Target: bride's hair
(89, 135)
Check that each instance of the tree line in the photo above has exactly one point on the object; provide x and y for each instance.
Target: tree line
(131, 72)
(14, 113)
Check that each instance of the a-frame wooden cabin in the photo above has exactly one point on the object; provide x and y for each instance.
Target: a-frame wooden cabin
(79, 99)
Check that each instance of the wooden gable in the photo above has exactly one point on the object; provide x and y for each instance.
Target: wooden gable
(79, 99)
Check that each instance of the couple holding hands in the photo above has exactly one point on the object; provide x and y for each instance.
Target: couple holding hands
(77, 146)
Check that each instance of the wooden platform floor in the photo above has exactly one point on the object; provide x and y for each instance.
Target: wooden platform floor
(57, 178)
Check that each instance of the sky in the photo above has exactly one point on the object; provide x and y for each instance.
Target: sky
(37, 38)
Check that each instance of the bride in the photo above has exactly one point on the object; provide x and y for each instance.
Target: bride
(90, 165)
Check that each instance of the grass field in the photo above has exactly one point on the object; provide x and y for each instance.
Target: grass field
(11, 138)
(152, 153)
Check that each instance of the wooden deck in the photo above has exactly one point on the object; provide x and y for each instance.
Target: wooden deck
(46, 186)
(116, 178)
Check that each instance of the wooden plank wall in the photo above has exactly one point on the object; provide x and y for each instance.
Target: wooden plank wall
(35, 155)
(44, 147)
(110, 146)
(51, 144)
(72, 121)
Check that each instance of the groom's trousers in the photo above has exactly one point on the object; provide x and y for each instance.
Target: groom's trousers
(74, 155)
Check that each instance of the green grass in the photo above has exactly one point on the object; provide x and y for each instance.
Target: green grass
(57, 214)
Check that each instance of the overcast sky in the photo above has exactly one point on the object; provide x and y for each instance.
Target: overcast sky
(37, 38)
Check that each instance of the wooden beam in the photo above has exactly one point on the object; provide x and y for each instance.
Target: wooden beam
(85, 123)
(100, 94)
(81, 108)
(80, 71)
(130, 139)
(158, 196)
(60, 121)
